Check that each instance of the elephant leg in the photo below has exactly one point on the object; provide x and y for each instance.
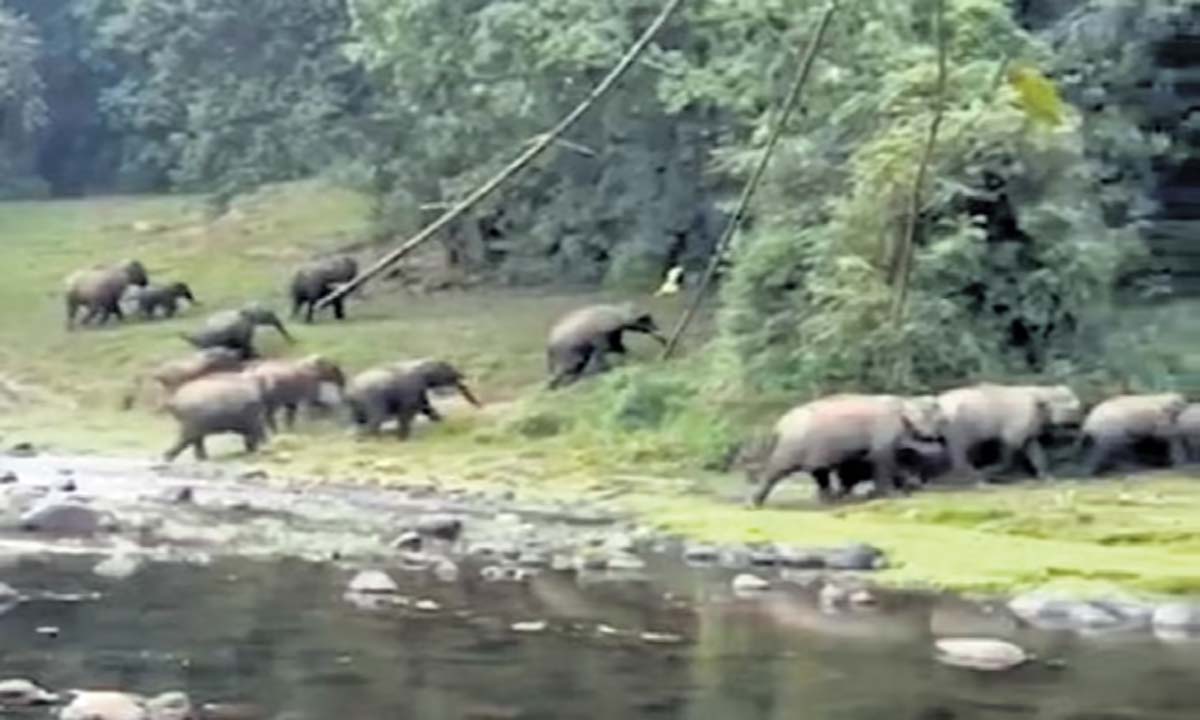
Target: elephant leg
(339, 308)
(1179, 455)
(403, 424)
(252, 438)
(615, 342)
(1035, 454)
(115, 308)
(885, 472)
(771, 477)
(180, 445)
(199, 450)
(824, 481)
(599, 361)
(310, 310)
(1098, 457)
(170, 309)
(289, 415)
(572, 368)
(72, 310)
(269, 418)
(429, 411)
(960, 461)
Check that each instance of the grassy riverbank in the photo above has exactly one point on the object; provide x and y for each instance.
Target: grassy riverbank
(63, 390)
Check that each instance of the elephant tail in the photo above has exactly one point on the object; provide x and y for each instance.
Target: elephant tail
(130, 397)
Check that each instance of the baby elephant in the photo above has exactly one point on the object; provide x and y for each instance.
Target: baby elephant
(221, 403)
(99, 289)
(314, 280)
(289, 383)
(401, 391)
(165, 298)
(1116, 425)
(587, 335)
(171, 374)
(1015, 416)
(234, 329)
(822, 435)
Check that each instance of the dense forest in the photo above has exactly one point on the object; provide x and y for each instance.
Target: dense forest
(1060, 173)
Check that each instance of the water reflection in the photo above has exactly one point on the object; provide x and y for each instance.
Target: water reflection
(279, 637)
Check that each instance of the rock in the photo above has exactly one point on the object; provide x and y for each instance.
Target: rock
(8, 594)
(1042, 610)
(832, 597)
(533, 559)
(443, 527)
(855, 557)
(50, 631)
(427, 605)
(8, 477)
(184, 496)
(104, 705)
(118, 567)
(1178, 616)
(747, 583)
(734, 558)
(591, 562)
(68, 486)
(23, 450)
(407, 540)
(764, 557)
(19, 692)
(626, 562)
(980, 653)
(534, 626)
(621, 543)
(492, 573)
(863, 597)
(373, 582)
(700, 554)
(483, 549)
(661, 638)
(253, 475)
(59, 518)
(231, 711)
(446, 570)
(170, 706)
(801, 559)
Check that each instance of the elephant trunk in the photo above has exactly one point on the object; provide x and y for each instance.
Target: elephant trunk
(278, 325)
(467, 394)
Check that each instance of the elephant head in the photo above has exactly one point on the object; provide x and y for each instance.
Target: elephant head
(259, 315)
(135, 273)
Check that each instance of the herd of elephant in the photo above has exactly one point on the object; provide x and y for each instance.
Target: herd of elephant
(899, 442)
(224, 386)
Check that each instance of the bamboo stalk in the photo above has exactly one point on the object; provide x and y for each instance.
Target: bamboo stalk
(544, 141)
(907, 249)
(752, 184)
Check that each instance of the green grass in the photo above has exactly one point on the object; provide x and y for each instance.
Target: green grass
(637, 443)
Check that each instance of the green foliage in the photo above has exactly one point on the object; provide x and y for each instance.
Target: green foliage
(1014, 264)
(22, 105)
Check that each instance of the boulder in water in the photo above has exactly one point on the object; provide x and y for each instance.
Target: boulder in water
(983, 654)
(104, 705)
(170, 706)
(66, 518)
(749, 584)
(1178, 616)
(373, 582)
(19, 692)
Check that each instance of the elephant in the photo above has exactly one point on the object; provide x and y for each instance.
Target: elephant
(288, 383)
(151, 299)
(313, 281)
(234, 329)
(400, 390)
(99, 289)
(1014, 416)
(174, 373)
(219, 403)
(1116, 425)
(587, 334)
(824, 434)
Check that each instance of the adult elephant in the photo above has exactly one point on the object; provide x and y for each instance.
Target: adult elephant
(313, 281)
(401, 391)
(585, 336)
(217, 404)
(288, 384)
(1117, 425)
(99, 290)
(234, 329)
(1013, 416)
(172, 374)
(836, 431)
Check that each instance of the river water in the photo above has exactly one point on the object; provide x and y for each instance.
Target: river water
(279, 637)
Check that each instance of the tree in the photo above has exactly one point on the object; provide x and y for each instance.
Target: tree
(22, 106)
